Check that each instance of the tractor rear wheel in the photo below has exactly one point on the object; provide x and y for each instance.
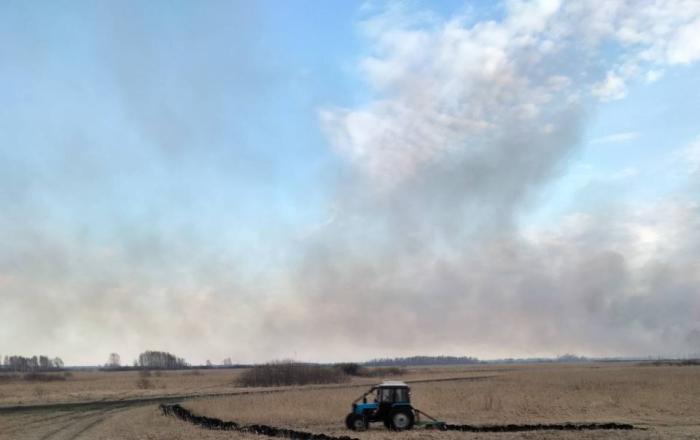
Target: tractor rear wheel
(355, 422)
(401, 419)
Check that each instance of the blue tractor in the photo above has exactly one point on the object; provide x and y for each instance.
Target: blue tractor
(392, 406)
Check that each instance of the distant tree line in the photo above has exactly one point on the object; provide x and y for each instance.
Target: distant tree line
(34, 363)
(161, 360)
(290, 373)
(423, 360)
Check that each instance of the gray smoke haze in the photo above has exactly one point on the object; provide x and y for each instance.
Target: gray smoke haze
(468, 124)
(101, 248)
(175, 234)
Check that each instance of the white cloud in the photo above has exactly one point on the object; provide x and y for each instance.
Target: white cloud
(448, 89)
(616, 138)
(611, 88)
(468, 121)
(652, 34)
(452, 89)
(654, 75)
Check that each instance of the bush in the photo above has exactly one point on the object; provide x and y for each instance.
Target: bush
(383, 371)
(42, 377)
(144, 384)
(290, 373)
(145, 373)
(351, 368)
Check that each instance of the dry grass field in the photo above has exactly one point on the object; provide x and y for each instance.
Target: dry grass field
(101, 385)
(663, 399)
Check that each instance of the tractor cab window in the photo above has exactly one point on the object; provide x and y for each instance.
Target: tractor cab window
(385, 395)
(401, 395)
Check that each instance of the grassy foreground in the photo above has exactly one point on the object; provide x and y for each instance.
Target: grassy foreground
(663, 399)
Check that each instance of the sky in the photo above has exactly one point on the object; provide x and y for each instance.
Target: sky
(336, 181)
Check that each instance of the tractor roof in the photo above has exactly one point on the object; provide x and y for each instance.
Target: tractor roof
(392, 384)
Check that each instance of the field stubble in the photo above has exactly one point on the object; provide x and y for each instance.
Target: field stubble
(663, 399)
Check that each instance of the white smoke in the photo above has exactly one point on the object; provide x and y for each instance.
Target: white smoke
(469, 121)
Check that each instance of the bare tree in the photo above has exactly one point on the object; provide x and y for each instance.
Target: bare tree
(114, 360)
(160, 360)
(57, 362)
(34, 363)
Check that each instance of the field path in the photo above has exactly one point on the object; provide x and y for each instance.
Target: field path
(67, 425)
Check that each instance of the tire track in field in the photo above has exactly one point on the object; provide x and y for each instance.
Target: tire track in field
(83, 422)
(96, 422)
(19, 424)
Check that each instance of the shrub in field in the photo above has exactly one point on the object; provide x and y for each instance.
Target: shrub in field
(290, 373)
(382, 371)
(42, 377)
(144, 384)
(351, 368)
(40, 392)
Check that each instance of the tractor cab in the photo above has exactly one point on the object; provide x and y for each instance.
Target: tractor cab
(391, 405)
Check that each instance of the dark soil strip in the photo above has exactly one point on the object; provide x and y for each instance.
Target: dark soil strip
(539, 427)
(271, 431)
(219, 425)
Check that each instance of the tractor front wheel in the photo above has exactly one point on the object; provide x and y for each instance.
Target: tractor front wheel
(401, 419)
(355, 422)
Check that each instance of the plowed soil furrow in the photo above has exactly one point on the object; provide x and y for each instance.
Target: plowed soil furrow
(540, 427)
(266, 430)
(273, 431)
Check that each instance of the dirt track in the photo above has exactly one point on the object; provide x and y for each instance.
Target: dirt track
(66, 425)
